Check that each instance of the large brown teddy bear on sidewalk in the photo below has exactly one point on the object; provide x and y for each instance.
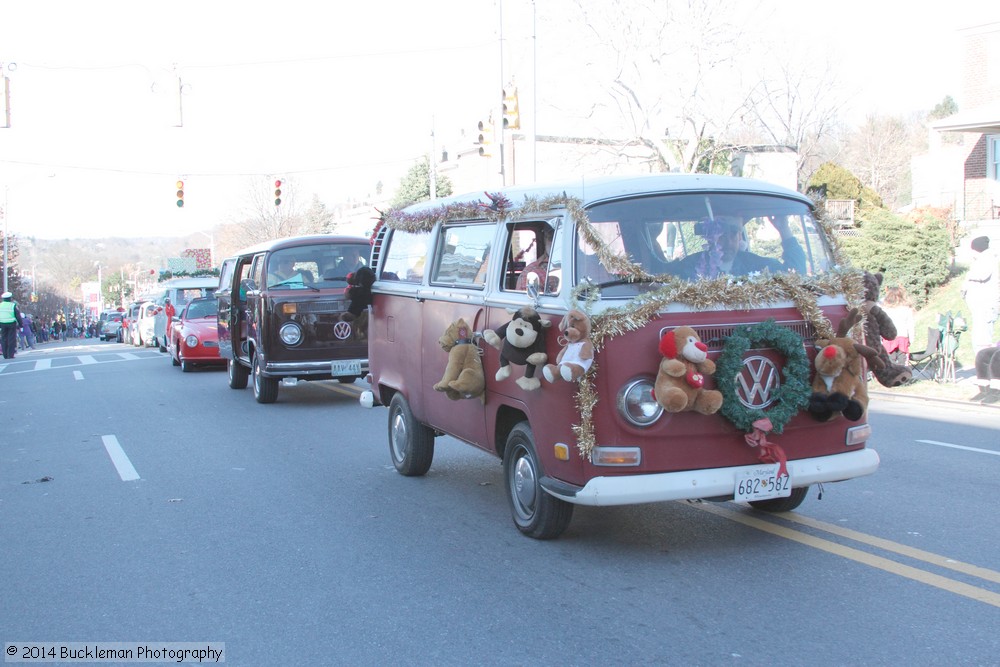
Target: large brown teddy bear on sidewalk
(879, 325)
(463, 376)
(681, 378)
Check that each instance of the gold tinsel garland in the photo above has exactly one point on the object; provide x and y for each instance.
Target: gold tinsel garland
(732, 292)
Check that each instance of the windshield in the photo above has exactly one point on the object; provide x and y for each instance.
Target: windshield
(202, 308)
(704, 236)
(316, 266)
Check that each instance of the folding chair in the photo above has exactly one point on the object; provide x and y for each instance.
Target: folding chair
(927, 363)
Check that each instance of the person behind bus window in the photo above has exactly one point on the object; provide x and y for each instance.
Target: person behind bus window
(730, 255)
(350, 262)
(282, 270)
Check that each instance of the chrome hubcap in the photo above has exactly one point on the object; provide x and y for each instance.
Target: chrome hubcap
(524, 483)
(399, 437)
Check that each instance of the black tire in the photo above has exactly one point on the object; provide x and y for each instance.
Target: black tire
(411, 444)
(173, 358)
(782, 504)
(265, 389)
(536, 513)
(186, 366)
(238, 374)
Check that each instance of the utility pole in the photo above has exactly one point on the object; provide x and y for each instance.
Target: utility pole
(499, 115)
(433, 164)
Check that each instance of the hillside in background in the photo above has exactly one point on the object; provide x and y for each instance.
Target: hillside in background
(60, 266)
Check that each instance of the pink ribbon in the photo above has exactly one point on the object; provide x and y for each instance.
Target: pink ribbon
(768, 451)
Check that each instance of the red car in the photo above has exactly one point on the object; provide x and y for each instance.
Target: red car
(194, 336)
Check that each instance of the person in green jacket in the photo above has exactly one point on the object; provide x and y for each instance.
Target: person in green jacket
(10, 322)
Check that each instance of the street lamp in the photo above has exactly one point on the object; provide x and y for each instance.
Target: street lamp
(100, 291)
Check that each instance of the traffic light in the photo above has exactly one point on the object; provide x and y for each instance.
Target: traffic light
(277, 193)
(511, 115)
(180, 194)
(485, 139)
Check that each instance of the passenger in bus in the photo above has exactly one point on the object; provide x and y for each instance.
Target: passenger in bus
(283, 272)
(351, 261)
(731, 256)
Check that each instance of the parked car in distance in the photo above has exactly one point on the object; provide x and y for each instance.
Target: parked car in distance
(111, 325)
(142, 332)
(194, 336)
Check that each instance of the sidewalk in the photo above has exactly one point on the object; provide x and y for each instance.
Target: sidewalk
(960, 393)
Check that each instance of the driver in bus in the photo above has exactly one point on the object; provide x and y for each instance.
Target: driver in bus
(732, 256)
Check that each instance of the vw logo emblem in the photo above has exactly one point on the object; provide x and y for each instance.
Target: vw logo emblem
(342, 330)
(757, 383)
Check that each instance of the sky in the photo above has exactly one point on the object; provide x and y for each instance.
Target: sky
(332, 98)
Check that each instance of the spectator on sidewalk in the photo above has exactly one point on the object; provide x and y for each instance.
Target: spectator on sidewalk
(29, 330)
(897, 306)
(988, 375)
(981, 291)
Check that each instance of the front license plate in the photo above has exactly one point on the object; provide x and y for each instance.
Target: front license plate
(761, 483)
(346, 367)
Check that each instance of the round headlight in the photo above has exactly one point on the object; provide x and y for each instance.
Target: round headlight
(637, 404)
(291, 333)
(191, 341)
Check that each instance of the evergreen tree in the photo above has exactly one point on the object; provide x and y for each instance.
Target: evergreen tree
(415, 186)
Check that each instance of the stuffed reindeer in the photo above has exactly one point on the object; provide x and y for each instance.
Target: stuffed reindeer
(840, 384)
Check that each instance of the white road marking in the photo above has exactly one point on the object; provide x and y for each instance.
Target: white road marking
(86, 359)
(127, 355)
(77, 375)
(968, 449)
(43, 364)
(118, 457)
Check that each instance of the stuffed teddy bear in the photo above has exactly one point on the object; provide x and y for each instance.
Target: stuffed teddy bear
(359, 292)
(879, 325)
(680, 381)
(463, 376)
(839, 384)
(577, 353)
(520, 341)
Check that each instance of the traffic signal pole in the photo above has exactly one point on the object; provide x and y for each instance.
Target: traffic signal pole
(499, 116)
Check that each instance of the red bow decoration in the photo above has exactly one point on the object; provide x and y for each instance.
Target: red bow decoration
(769, 452)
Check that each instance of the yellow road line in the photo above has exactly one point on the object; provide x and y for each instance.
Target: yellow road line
(916, 574)
(340, 389)
(902, 549)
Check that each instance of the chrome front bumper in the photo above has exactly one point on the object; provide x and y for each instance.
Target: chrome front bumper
(710, 483)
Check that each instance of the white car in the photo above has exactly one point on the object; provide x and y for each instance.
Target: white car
(144, 332)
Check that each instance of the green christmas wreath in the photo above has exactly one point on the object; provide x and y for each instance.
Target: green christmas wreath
(792, 395)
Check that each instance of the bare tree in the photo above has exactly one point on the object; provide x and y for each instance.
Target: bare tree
(797, 104)
(667, 70)
(262, 220)
(692, 80)
(878, 153)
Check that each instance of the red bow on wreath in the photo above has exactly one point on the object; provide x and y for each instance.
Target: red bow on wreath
(769, 452)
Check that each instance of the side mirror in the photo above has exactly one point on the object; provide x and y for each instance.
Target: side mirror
(533, 283)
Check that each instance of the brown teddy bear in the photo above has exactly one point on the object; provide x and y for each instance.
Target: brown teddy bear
(879, 325)
(463, 376)
(839, 384)
(680, 382)
(577, 353)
